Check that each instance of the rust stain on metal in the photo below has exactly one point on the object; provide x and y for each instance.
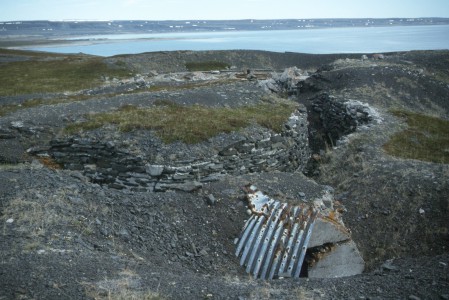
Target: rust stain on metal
(274, 240)
(319, 253)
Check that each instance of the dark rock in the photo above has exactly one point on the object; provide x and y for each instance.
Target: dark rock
(124, 234)
(263, 144)
(211, 178)
(244, 147)
(186, 187)
(11, 151)
(182, 176)
(7, 134)
(276, 139)
(117, 186)
(228, 152)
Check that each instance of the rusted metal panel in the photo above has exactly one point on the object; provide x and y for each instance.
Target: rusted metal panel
(274, 240)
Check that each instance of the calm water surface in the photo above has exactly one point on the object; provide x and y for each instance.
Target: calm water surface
(331, 40)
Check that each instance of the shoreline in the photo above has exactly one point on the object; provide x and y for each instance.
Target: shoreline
(328, 41)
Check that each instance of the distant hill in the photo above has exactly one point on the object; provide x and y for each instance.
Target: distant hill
(81, 27)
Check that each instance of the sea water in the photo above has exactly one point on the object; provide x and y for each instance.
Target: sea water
(317, 41)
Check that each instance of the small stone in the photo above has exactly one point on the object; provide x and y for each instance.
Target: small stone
(10, 220)
(413, 297)
(211, 178)
(155, 170)
(388, 265)
(75, 200)
(211, 199)
(186, 187)
(228, 152)
(104, 232)
(181, 176)
(41, 251)
(17, 124)
(301, 194)
(421, 211)
(124, 234)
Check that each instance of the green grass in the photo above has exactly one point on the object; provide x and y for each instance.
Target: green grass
(10, 108)
(55, 74)
(426, 138)
(206, 66)
(27, 53)
(189, 124)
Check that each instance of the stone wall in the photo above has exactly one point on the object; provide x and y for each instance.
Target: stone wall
(102, 162)
(333, 118)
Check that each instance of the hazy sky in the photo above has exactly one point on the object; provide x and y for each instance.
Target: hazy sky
(218, 9)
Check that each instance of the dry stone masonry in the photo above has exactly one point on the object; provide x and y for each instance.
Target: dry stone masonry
(105, 164)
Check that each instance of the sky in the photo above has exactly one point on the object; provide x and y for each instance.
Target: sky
(21, 10)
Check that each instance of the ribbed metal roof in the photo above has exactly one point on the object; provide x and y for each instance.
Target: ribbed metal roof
(274, 240)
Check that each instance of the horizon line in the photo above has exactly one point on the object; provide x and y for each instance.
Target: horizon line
(245, 19)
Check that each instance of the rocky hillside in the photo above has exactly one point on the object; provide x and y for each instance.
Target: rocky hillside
(131, 187)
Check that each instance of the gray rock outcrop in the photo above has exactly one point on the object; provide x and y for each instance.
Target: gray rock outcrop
(286, 82)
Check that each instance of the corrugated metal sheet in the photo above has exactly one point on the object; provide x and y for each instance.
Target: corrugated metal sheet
(274, 240)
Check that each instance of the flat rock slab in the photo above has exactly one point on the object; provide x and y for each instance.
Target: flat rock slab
(325, 231)
(344, 260)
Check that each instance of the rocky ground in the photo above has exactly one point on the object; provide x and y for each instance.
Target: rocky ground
(64, 237)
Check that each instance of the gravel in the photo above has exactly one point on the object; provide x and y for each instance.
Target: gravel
(64, 237)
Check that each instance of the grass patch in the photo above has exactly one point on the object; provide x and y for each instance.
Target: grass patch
(27, 53)
(189, 124)
(70, 73)
(206, 66)
(37, 216)
(125, 286)
(10, 108)
(40, 214)
(188, 85)
(426, 138)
